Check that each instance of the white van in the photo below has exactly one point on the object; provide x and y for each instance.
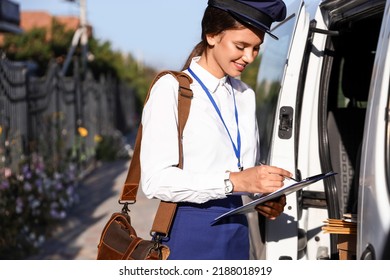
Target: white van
(323, 104)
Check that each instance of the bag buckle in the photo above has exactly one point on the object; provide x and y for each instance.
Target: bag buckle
(125, 208)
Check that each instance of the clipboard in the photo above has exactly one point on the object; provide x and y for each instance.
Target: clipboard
(288, 188)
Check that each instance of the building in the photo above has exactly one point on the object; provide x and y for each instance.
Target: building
(41, 19)
(9, 17)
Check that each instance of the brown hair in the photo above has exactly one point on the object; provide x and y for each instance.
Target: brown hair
(214, 22)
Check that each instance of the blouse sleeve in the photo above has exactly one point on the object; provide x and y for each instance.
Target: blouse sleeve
(160, 178)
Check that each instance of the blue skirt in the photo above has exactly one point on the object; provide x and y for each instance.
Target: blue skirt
(192, 236)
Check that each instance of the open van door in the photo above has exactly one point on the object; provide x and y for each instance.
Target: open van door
(276, 87)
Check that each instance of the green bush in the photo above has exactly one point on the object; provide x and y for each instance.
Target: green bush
(112, 147)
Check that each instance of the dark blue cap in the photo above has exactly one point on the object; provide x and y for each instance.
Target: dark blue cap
(257, 13)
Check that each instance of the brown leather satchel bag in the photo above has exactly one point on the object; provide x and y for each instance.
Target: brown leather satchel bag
(119, 240)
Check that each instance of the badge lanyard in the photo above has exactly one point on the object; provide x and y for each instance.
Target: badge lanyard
(237, 150)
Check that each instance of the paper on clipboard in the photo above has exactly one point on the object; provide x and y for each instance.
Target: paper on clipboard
(287, 189)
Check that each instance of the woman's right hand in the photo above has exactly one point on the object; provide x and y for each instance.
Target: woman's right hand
(259, 179)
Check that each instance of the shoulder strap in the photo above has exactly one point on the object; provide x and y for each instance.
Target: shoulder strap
(166, 210)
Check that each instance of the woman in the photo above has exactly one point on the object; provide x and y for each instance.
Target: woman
(220, 139)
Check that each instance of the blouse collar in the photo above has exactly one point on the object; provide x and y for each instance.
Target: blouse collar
(211, 82)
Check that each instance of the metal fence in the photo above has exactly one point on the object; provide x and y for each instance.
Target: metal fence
(60, 118)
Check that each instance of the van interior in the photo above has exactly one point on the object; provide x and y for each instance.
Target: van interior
(348, 64)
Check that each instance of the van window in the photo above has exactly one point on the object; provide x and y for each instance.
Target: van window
(273, 58)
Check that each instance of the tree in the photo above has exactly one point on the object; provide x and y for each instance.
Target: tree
(29, 46)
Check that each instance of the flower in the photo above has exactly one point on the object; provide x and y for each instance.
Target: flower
(98, 138)
(82, 131)
(31, 203)
(4, 185)
(7, 172)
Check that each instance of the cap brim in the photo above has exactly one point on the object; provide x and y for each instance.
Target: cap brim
(253, 23)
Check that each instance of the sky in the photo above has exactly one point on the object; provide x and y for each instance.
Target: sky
(159, 33)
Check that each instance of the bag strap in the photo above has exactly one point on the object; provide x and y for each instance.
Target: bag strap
(166, 210)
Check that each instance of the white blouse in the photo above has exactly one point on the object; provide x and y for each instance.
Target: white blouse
(207, 149)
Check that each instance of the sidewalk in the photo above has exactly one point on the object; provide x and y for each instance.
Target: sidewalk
(78, 237)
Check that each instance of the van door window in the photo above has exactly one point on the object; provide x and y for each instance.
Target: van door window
(273, 59)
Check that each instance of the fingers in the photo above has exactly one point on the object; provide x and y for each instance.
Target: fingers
(267, 212)
(282, 200)
(275, 176)
(259, 179)
(273, 208)
(277, 171)
(272, 177)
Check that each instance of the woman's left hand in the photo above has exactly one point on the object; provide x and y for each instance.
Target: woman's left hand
(273, 208)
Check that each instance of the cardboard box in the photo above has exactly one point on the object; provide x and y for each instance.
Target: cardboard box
(347, 246)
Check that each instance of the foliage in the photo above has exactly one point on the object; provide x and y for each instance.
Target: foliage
(60, 39)
(39, 45)
(123, 67)
(139, 77)
(249, 76)
(31, 203)
(29, 46)
(105, 60)
(42, 45)
(112, 147)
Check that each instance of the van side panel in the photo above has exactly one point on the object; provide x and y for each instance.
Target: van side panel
(374, 198)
